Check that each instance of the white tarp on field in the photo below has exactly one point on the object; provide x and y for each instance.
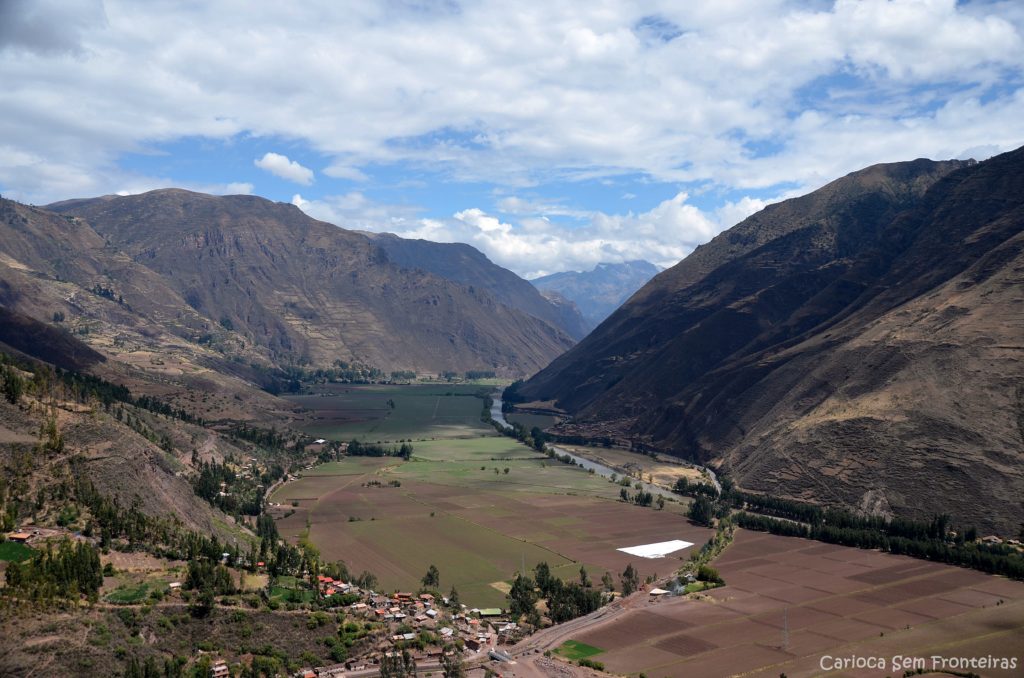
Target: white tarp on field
(659, 550)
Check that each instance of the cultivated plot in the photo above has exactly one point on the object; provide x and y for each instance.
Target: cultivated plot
(388, 413)
(456, 507)
(790, 602)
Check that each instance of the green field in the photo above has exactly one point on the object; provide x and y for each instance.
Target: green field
(127, 594)
(574, 650)
(420, 411)
(16, 551)
(478, 506)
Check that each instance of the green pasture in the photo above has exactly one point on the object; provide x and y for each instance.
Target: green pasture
(420, 411)
(538, 475)
(350, 466)
(575, 650)
(469, 556)
(480, 450)
(129, 594)
(15, 551)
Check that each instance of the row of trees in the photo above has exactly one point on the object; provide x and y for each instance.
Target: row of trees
(70, 571)
(641, 498)
(361, 449)
(565, 600)
(933, 539)
(994, 559)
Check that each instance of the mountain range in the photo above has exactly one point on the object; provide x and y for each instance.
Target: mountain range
(861, 346)
(469, 266)
(260, 282)
(598, 292)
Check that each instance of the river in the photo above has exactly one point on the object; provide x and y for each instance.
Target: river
(600, 469)
(496, 413)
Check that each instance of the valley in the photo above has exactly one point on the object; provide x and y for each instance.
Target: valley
(512, 340)
(201, 464)
(478, 505)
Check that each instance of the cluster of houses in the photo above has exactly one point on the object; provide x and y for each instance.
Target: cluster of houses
(408, 614)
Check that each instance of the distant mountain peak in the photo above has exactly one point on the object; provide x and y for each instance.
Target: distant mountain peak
(601, 290)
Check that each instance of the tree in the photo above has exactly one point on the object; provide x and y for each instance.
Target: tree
(522, 597)
(453, 597)
(607, 582)
(584, 578)
(452, 665)
(432, 579)
(542, 575)
(397, 665)
(630, 580)
(201, 604)
(13, 385)
(709, 574)
(623, 494)
(702, 511)
(660, 502)
(367, 580)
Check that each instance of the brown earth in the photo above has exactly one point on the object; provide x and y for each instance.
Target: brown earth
(789, 602)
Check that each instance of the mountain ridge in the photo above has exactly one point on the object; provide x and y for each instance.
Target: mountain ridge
(789, 351)
(599, 291)
(464, 264)
(308, 290)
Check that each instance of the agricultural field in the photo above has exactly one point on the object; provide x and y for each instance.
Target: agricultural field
(378, 412)
(574, 650)
(477, 505)
(456, 507)
(788, 602)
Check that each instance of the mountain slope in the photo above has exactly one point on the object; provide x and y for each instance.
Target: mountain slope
(307, 290)
(600, 291)
(468, 266)
(858, 346)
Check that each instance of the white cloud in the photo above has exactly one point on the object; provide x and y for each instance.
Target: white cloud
(281, 166)
(356, 212)
(512, 93)
(533, 245)
(136, 185)
(340, 171)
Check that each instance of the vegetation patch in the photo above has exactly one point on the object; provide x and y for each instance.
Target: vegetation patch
(574, 650)
(127, 594)
(15, 551)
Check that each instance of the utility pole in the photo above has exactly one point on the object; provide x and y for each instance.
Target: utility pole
(785, 629)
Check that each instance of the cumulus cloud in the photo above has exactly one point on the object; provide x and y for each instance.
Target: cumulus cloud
(745, 95)
(355, 211)
(281, 166)
(535, 245)
(47, 26)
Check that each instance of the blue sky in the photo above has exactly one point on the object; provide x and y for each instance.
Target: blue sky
(550, 136)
